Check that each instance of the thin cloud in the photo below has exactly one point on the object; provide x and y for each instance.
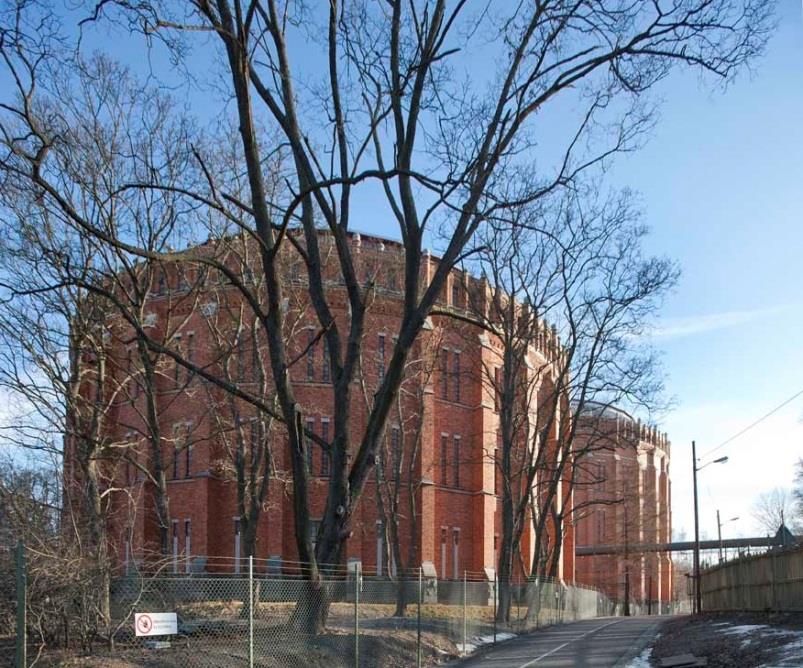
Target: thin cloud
(673, 328)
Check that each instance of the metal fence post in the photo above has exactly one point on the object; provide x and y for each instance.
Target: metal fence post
(465, 639)
(357, 578)
(420, 596)
(22, 608)
(251, 611)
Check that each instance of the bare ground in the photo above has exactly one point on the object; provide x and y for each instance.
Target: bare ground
(731, 640)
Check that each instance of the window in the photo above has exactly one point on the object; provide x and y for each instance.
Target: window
(444, 374)
(175, 460)
(309, 443)
(181, 438)
(395, 448)
(380, 546)
(255, 365)
(187, 458)
(455, 293)
(187, 546)
(497, 389)
(326, 370)
(254, 435)
(175, 546)
(456, 554)
(190, 356)
(443, 553)
(498, 465)
(237, 545)
(161, 285)
(314, 525)
(456, 370)
(381, 357)
(310, 354)
(240, 353)
(326, 455)
(456, 461)
(444, 455)
(176, 365)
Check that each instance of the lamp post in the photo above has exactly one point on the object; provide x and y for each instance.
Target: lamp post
(719, 531)
(698, 598)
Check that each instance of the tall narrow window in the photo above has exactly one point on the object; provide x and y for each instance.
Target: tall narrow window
(455, 293)
(444, 459)
(380, 547)
(175, 546)
(240, 352)
(183, 282)
(176, 365)
(254, 436)
(381, 357)
(444, 374)
(326, 367)
(456, 370)
(310, 354)
(255, 365)
(497, 389)
(187, 456)
(187, 546)
(314, 525)
(456, 461)
(190, 353)
(326, 455)
(236, 546)
(175, 460)
(395, 449)
(161, 284)
(443, 553)
(456, 554)
(310, 443)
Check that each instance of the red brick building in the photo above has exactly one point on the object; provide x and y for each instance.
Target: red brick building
(445, 398)
(627, 469)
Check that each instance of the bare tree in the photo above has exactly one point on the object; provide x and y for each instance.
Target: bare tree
(568, 294)
(391, 86)
(774, 508)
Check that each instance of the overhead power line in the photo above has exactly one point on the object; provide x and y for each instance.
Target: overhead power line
(753, 424)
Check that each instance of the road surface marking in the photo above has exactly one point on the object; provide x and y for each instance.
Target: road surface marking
(560, 647)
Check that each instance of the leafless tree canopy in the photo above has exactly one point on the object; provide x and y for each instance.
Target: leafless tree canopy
(773, 508)
(333, 103)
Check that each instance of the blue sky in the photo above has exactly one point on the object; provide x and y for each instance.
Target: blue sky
(722, 185)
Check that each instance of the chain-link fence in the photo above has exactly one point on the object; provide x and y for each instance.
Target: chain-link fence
(256, 613)
(12, 606)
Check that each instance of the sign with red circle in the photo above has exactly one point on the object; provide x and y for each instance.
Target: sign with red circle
(155, 623)
(144, 624)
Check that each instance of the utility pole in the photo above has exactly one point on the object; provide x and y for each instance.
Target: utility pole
(719, 536)
(697, 594)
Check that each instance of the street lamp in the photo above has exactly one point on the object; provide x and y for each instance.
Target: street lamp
(698, 598)
(719, 531)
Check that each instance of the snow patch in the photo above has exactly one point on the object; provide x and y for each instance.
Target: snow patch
(791, 654)
(642, 660)
(476, 642)
(743, 629)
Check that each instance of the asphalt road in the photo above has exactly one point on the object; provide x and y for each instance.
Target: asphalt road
(596, 643)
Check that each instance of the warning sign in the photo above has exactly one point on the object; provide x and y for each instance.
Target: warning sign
(155, 623)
